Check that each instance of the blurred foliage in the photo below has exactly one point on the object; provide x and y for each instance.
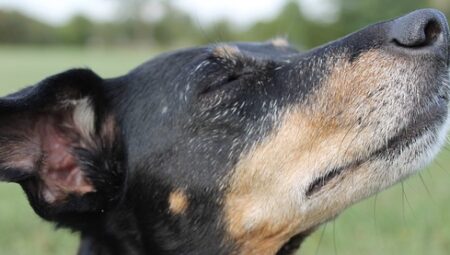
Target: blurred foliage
(132, 25)
(17, 28)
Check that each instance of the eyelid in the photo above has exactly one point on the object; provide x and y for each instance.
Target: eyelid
(226, 80)
(216, 85)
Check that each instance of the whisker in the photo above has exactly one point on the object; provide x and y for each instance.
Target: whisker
(348, 132)
(428, 171)
(409, 205)
(446, 146)
(441, 167)
(403, 202)
(426, 187)
(374, 211)
(322, 233)
(334, 237)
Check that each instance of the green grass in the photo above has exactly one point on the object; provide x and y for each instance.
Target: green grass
(388, 224)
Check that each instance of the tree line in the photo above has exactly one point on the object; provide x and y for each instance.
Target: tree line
(177, 27)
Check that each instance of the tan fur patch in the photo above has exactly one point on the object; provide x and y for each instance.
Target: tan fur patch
(265, 204)
(280, 42)
(178, 202)
(226, 51)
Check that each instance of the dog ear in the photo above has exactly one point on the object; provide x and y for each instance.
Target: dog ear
(61, 143)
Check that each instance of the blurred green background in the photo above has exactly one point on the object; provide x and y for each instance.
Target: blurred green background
(411, 218)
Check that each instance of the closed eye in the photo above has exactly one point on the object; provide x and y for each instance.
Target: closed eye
(219, 84)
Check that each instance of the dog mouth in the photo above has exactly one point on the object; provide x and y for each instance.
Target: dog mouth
(420, 125)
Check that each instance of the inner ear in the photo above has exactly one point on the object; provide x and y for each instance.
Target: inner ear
(61, 134)
(46, 144)
(60, 141)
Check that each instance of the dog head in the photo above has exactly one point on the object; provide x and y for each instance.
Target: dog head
(231, 148)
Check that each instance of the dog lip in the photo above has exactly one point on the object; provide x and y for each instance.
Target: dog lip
(419, 125)
(318, 183)
(406, 136)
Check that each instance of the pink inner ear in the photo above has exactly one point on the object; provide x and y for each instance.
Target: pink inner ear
(60, 172)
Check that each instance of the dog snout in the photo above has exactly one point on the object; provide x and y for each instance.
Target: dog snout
(425, 29)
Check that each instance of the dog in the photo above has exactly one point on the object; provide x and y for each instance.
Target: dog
(234, 148)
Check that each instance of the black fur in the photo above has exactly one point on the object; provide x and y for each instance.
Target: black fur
(178, 122)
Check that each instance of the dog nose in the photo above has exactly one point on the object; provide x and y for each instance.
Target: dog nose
(421, 29)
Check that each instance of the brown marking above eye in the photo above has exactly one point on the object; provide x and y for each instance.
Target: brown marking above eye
(178, 202)
(226, 51)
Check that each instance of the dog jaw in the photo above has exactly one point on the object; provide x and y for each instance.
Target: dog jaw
(339, 128)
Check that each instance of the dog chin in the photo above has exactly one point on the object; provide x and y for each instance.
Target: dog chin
(379, 172)
(421, 151)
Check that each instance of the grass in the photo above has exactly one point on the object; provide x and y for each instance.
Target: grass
(410, 218)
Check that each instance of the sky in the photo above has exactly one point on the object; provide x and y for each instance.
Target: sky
(241, 12)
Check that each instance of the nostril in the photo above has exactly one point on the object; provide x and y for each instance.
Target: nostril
(420, 29)
(424, 36)
(432, 32)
